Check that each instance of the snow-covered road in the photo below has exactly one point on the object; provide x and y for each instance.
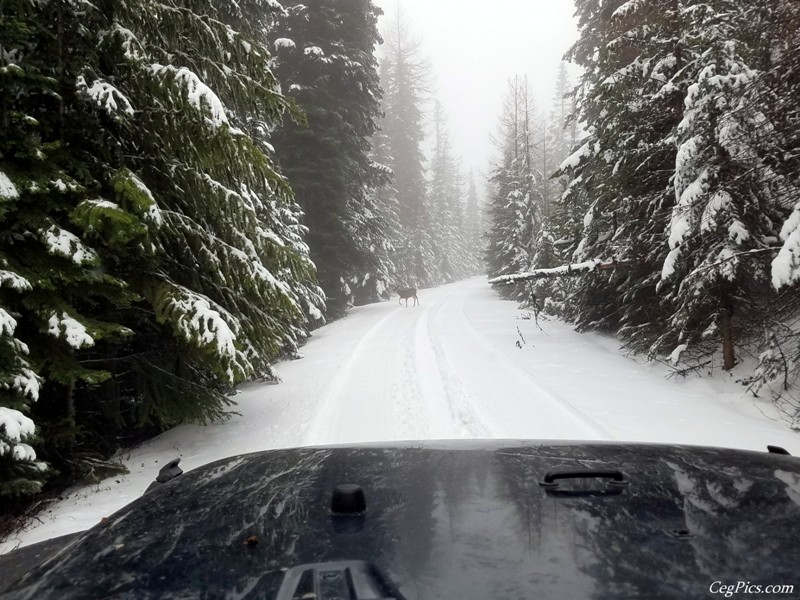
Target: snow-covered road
(463, 364)
(435, 372)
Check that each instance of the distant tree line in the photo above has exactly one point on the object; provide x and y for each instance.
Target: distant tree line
(436, 215)
(686, 179)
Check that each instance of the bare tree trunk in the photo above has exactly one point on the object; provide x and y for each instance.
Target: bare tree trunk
(72, 425)
(71, 404)
(728, 353)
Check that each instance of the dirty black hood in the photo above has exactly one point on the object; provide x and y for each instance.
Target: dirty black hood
(451, 520)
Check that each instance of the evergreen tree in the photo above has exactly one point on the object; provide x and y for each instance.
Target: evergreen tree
(405, 91)
(452, 260)
(19, 384)
(232, 281)
(57, 301)
(379, 226)
(616, 206)
(562, 124)
(684, 183)
(372, 227)
(515, 199)
(326, 62)
(561, 229)
(151, 255)
(681, 178)
(780, 81)
(473, 227)
(728, 197)
(777, 40)
(544, 250)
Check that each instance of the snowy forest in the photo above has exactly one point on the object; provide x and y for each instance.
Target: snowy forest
(189, 188)
(674, 220)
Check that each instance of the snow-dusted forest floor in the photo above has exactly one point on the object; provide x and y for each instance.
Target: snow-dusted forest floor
(464, 364)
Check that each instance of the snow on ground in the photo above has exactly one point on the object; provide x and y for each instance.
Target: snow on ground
(463, 364)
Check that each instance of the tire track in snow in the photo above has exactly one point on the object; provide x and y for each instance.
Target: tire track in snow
(326, 426)
(519, 374)
(375, 394)
(438, 377)
(450, 391)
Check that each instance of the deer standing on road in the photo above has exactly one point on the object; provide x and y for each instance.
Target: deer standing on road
(407, 292)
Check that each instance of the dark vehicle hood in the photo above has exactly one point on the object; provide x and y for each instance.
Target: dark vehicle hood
(450, 520)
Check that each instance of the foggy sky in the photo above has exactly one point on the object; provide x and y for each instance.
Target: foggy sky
(475, 46)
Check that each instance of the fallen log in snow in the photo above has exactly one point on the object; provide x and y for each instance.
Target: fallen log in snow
(563, 271)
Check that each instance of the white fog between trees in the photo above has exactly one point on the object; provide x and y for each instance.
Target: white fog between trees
(188, 190)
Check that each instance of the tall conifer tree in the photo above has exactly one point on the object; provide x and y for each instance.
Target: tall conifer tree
(405, 89)
(515, 202)
(151, 255)
(326, 62)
